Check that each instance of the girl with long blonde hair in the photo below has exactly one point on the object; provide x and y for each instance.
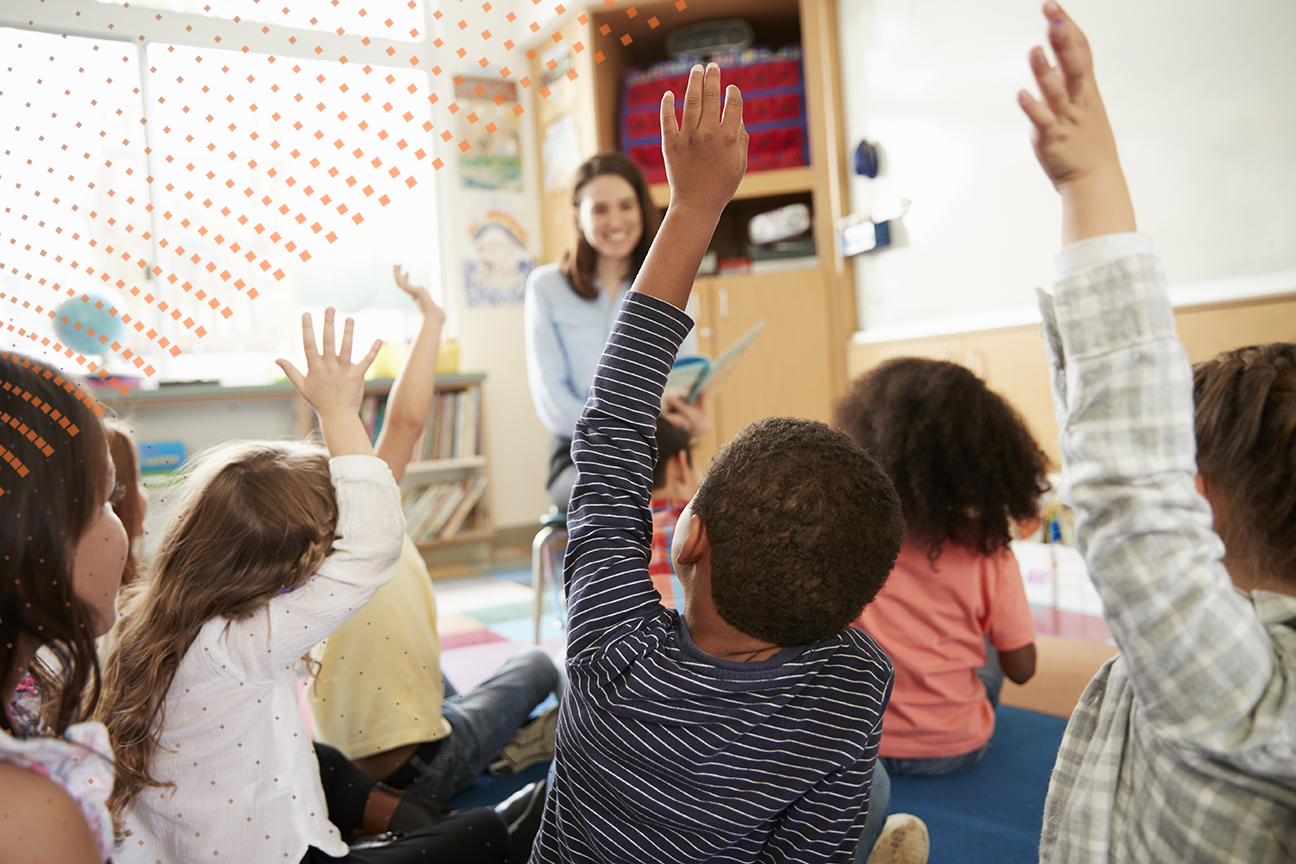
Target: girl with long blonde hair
(272, 547)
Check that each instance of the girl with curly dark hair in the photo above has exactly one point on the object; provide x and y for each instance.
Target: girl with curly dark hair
(953, 615)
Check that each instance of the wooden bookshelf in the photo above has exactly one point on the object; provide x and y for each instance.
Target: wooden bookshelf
(467, 464)
(762, 184)
(797, 366)
(451, 471)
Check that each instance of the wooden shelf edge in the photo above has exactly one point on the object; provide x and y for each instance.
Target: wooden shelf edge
(758, 184)
(461, 537)
(438, 466)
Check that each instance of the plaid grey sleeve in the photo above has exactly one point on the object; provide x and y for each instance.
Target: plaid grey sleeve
(1200, 660)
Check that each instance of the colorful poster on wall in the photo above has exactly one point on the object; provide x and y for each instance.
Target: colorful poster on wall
(485, 120)
(497, 259)
(560, 152)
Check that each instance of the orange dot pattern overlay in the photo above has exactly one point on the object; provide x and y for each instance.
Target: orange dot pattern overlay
(266, 158)
(57, 421)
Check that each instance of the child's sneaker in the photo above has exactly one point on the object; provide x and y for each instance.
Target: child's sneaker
(532, 744)
(903, 841)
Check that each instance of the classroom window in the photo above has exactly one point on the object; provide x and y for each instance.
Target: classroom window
(399, 20)
(273, 187)
(317, 188)
(77, 193)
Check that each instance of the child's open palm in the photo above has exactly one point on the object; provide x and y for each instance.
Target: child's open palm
(706, 154)
(426, 304)
(1072, 137)
(334, 385)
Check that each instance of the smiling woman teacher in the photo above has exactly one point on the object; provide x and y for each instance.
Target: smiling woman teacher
(570, 306)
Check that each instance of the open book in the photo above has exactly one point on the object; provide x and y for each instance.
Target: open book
(691, 378)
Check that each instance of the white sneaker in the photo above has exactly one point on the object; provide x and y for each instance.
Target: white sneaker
(532, 744)
(903, 840)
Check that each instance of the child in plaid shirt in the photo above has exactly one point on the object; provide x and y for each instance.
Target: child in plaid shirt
(1183, 480)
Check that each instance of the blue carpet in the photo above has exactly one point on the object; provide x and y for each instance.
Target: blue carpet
(992, 814)
(488, 791)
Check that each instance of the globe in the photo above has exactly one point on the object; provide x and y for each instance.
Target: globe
(83, 318)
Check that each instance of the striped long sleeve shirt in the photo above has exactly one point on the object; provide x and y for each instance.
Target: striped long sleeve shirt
(665, 753)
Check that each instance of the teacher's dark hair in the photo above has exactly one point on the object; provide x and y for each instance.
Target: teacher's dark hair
(579, 265)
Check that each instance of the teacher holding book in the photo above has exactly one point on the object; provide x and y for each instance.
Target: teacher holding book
(570, 306)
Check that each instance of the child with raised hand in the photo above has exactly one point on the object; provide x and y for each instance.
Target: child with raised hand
(674, 483)
(64, 549)
(129, 499)
(273, 545)
(1183, 748)
(745, 728)
(379, 699)
(953, 616)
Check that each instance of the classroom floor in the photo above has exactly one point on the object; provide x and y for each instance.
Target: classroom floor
(484, 619)
(487, 616)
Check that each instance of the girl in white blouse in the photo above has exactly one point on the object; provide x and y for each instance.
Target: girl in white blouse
(274, 545)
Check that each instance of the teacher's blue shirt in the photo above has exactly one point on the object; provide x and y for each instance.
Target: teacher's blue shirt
(565, 335)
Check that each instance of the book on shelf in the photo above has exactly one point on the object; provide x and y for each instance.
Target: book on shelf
(439, 510)
(446, 445)
(453, 428)
(467, 502)
(691, 378)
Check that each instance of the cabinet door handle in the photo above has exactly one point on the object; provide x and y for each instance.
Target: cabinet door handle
(704, 332)
(724, 303)
(975, 362)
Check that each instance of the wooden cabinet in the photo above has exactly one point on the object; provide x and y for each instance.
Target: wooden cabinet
(1012, 361)
(797, 366)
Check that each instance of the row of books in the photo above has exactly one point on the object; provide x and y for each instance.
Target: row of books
(453, 430)
(438, 511)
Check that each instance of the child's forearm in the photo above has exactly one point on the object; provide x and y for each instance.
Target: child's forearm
(411, 397)
(1097, 205)
(672, 263)
(344, 434)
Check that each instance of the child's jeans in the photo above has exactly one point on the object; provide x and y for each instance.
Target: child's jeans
(992, 676)
(879, 804)
(481, 722)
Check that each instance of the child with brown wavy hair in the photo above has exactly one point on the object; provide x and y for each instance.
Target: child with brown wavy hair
(63, 551)
(953, 616)
(272, 547)
(129, 500)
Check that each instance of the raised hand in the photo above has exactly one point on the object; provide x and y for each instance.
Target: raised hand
(426, 304)
(691, 418)
(333, 385)
(1072, 136)
(706, 155)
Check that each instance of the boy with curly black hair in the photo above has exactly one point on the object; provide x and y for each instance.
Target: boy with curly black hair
(953, 616)
(746, 728)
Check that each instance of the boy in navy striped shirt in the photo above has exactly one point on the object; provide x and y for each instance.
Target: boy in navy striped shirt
(745, 729)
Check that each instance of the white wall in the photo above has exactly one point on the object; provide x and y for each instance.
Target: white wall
(1201, 94)
(492, 339)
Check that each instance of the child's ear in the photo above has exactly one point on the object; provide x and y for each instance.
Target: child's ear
(698, 544)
